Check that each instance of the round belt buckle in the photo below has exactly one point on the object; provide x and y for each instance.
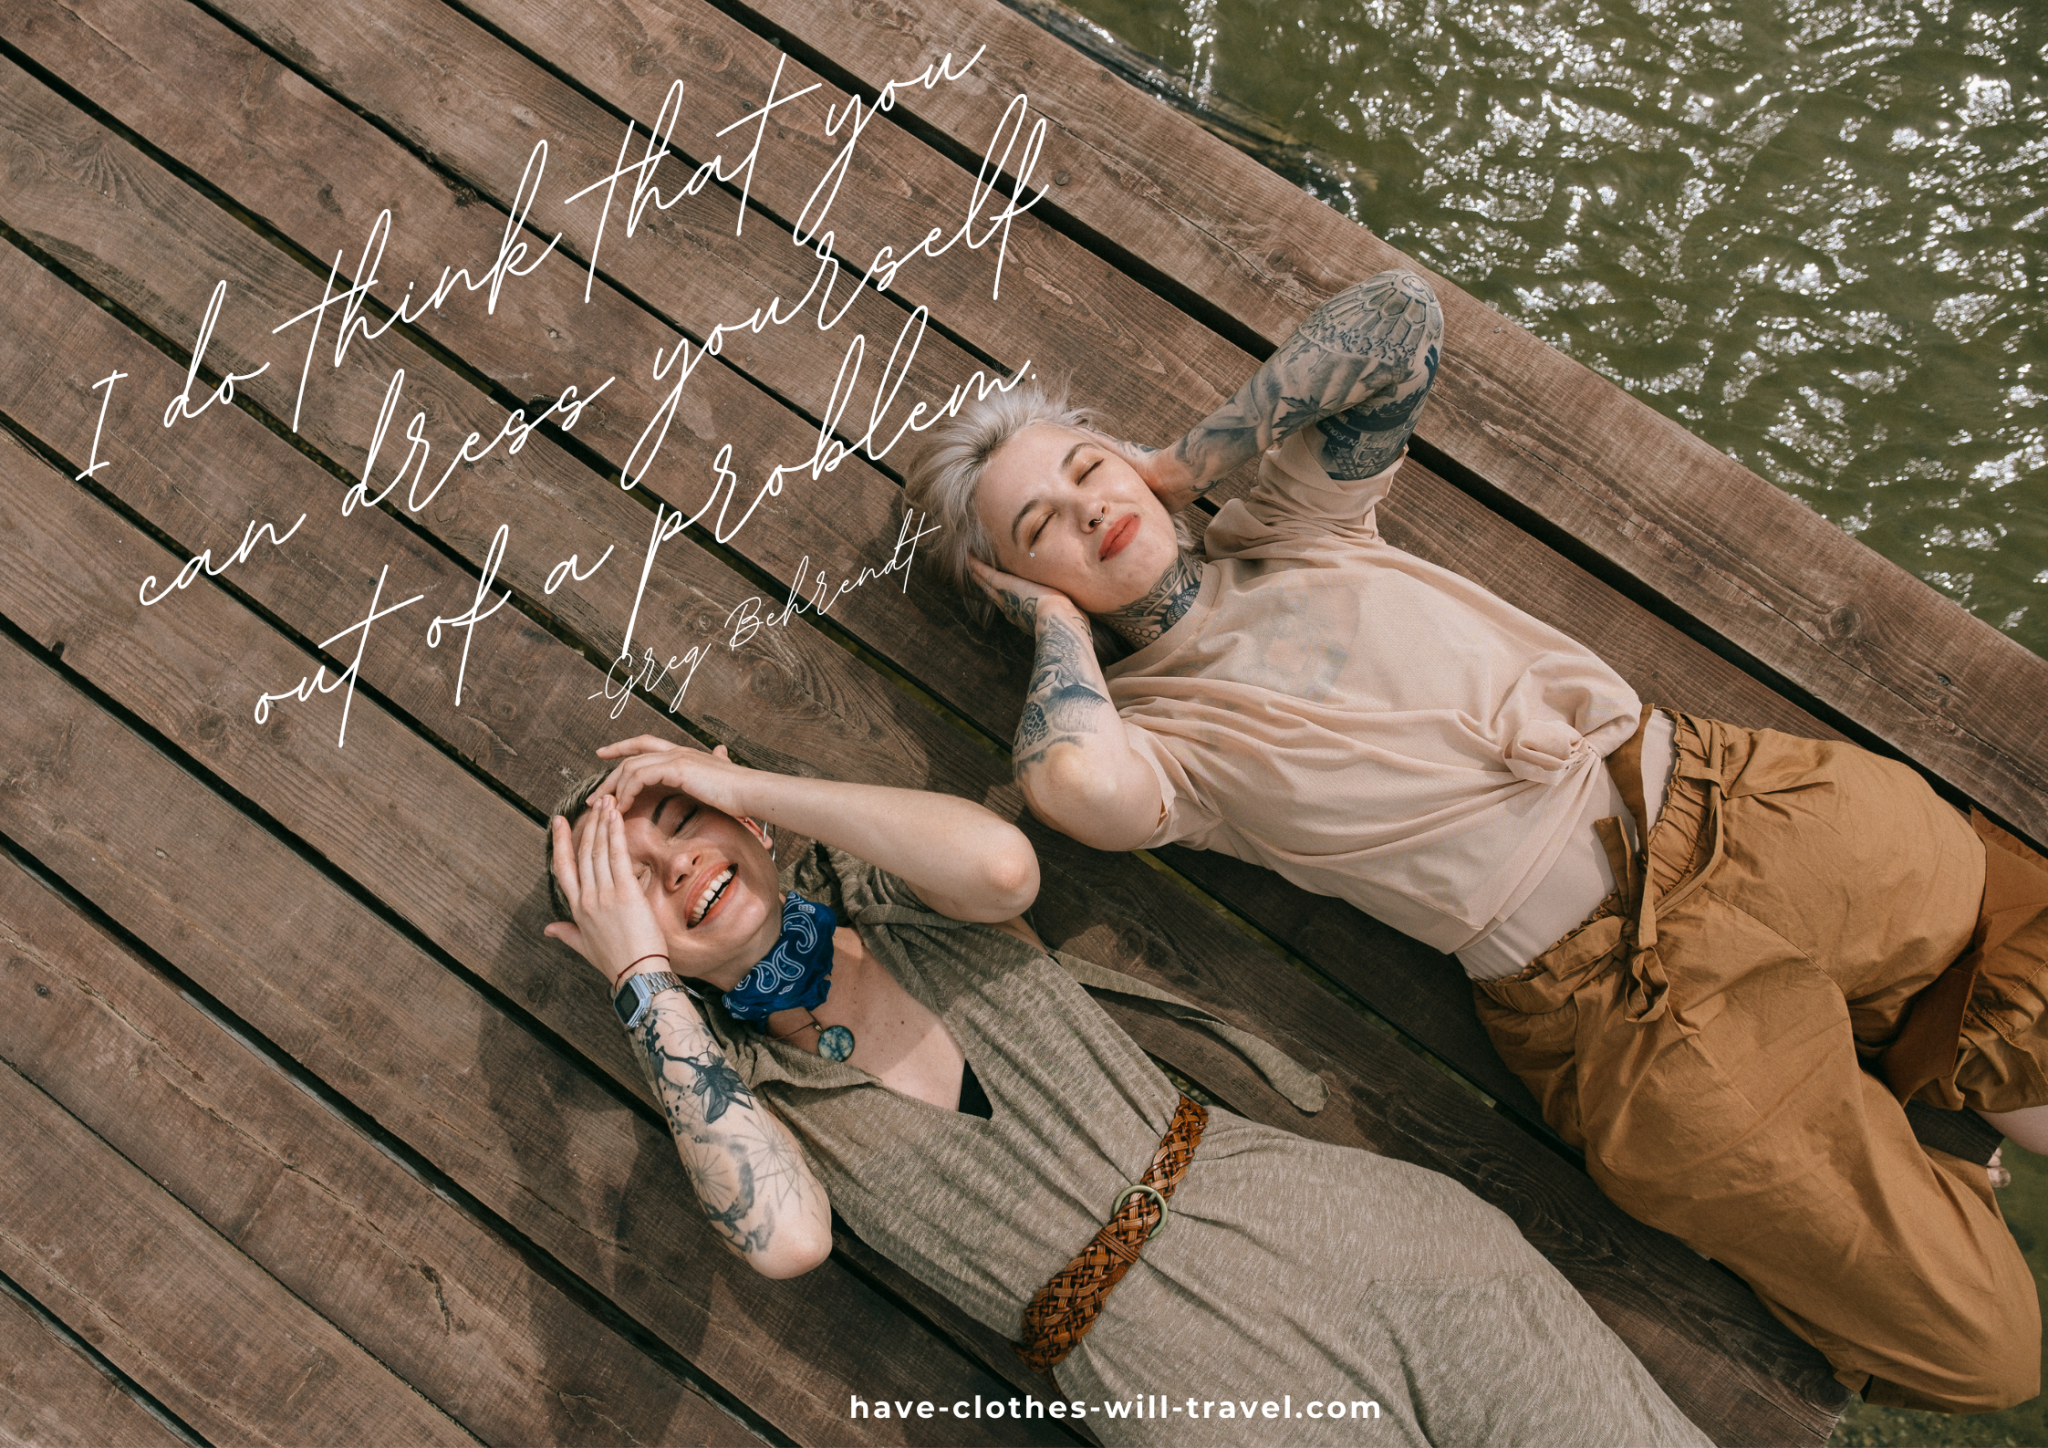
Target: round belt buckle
(1136, 1189)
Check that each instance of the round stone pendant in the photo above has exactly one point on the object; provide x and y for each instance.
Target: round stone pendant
(835, 1043)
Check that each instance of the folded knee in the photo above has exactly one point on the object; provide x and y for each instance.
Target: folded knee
(1992, 1361)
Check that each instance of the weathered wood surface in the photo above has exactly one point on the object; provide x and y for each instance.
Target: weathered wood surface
(588, 1180)
(53, 1396)
(206, 1331)
(1605, 1265)
(1389, 1102)
(457, 905)
(315, 152)
(1723, 547)
(434, 1296)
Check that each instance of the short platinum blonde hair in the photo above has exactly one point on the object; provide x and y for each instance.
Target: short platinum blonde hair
(944, 478)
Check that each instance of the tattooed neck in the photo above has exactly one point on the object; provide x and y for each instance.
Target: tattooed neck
(1163, 605)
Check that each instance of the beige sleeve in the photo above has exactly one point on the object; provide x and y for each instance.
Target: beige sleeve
(1183, 819)
(1293, 490)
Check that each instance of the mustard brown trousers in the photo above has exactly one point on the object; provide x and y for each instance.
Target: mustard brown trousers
(1715, 1040)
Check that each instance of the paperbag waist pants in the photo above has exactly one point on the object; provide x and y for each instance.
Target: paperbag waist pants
(1710, 1040)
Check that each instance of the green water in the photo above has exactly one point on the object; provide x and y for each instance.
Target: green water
(1809, 231)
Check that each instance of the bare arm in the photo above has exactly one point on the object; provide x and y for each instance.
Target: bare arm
(752, 1183)
(1072, 755)
(1364, 360)
(960, 858)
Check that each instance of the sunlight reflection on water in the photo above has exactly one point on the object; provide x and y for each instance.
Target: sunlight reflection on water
(1810, 231)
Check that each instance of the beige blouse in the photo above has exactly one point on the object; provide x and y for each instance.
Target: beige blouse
(1367, 724)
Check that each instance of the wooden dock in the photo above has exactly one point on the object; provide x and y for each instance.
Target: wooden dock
(308, 1135)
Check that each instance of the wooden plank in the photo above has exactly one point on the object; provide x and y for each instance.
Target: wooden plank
(448, 1307)
(1091, 891)
(299, 133)
(54, 1396)
(321, 175)
(1058, 303)
(156, 237)
(502, 669)
(514, 891)
(207, 1332)
(819, 699)
(1383, 1101)
(207, 491)
(197, 492)
(1723, 546)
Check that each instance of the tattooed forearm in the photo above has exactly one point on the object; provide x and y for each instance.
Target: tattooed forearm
(1163, 605)
(747, 1173)
(728, 1200)
(1067, 700)
(715, 1083)
(1369, 353)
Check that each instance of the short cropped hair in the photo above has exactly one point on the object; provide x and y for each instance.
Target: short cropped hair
(943, 479)
(570, 807)
(945, 476)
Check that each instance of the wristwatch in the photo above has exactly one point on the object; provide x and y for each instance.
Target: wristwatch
(637, 990)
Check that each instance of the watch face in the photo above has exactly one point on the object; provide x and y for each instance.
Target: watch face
(627, 1003)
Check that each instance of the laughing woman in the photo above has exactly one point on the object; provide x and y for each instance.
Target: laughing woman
(891, 1039)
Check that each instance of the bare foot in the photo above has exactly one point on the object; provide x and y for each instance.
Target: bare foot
(1994, 1169)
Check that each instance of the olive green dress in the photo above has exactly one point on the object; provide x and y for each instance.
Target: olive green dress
(1291, 1270)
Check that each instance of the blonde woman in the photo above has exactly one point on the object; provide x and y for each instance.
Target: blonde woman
(1720, 958)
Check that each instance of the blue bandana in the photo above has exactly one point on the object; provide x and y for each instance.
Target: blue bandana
(797, 973)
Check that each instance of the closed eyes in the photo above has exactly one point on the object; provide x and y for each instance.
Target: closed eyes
(1046, 521)
(683, 819)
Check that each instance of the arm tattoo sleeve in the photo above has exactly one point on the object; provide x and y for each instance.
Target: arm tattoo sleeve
(713, 1080)
(745, 1169)
(1067, 700)
(1365, 360)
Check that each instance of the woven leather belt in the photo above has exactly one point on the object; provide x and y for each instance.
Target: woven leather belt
(1067, 1306)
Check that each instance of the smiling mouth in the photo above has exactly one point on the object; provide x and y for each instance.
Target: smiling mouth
(1118, 537)
(713, 891)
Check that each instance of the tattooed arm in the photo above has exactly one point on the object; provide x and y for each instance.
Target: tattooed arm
(1361, 365)
(751, 1180)
(1072, 756)
(754, 1187)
